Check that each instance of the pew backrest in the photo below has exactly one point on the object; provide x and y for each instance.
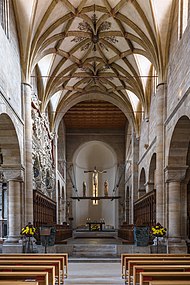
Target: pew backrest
(145, 277)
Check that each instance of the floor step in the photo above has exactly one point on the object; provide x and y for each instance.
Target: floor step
(94, 259)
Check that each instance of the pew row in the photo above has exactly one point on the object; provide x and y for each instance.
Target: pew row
(40, 277)
(151, 257)
(43, 257)
(169, 282)
(18, 282)
(61, 255)
(145, 277)
(142, 263)
(157, 268)
(23, 268)
(55, 264)
(125, 256)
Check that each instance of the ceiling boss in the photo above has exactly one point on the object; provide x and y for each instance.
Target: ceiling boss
(93, 30)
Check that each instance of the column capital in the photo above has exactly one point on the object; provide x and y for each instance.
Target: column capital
(175, 173)
(13, 173)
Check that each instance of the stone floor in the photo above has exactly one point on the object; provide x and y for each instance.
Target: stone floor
(94, 273)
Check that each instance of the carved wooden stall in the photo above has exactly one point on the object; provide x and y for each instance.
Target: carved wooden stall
(44, 210)
(145, 210)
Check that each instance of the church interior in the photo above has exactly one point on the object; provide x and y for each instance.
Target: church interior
(95, 127)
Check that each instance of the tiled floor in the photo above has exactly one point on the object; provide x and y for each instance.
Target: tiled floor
(94, 273)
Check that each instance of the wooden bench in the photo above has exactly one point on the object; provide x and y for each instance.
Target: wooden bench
(26, 262)
(133, 263)
(169, 282)
(19, 283)
(61, 255)
(137, 269)
(41, 268)
(145, 277)
(40, 277)
(51, 257)
(150, 257)
(124, 257)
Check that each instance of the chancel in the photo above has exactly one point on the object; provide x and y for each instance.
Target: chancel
(95, 124)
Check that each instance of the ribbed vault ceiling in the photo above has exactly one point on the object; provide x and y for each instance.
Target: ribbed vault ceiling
(77, 48)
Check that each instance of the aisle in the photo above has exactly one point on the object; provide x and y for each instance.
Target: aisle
(94, 273)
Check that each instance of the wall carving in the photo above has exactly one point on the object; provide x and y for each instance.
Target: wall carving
(43, 161)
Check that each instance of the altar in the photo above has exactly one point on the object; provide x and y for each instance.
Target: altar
(95, 226)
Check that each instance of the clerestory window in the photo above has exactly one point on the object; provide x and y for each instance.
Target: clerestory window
(182, 17)
(4, 16)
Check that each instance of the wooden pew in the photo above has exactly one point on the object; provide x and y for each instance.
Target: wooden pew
(169, 282)
(61, 255)
(26, 262)
(145, 277)
(133, 263)
(41, 268)
(151, 257)
(36, 257)
(40, 277)
(137, 269)
(124, 257)
(18, 283)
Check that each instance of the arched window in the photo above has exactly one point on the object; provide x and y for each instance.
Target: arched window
(4, 16)
(182, 17)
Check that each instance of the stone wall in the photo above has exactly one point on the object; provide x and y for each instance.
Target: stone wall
(10, 69)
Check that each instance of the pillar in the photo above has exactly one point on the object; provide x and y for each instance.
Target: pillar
(26, 92)
(160, 95)
(14, 211)
(174, 176)
(134, 177)
(174, 209)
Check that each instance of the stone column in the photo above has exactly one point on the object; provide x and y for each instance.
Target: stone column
(14, 211)
(160, 95)
(134, 176)
(26, 92)
(174, 176)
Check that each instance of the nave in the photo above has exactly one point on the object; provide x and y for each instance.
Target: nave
(94, 273)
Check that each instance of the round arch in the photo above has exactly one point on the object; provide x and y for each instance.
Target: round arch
(151, 175)
(179, 143)
(88, 156)
(9, 142)
(142, 181)
(111, 98)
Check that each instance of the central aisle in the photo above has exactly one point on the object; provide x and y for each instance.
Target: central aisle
(94, 273)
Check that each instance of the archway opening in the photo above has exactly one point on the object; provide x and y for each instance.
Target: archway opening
(91, 155)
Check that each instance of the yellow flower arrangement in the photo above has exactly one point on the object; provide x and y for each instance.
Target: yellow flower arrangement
(28, 231)
(158, 230)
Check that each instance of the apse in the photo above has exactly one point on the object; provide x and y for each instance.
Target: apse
(101, 157)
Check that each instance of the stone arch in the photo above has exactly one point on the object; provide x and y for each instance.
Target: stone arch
(87, 156)
(178, 182)
(9, 143)
(151, 178)
(12, 174)
(142, 182)
(180, 142)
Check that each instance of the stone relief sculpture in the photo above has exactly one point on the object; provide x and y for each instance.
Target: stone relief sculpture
(43, 168)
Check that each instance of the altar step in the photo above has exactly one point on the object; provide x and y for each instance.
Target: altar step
(95, 250)
(94, 259)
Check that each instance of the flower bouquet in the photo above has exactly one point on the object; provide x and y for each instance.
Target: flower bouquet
(28, 233)
(158, 231)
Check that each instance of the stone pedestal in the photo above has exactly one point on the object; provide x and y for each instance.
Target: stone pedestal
(177, 246)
